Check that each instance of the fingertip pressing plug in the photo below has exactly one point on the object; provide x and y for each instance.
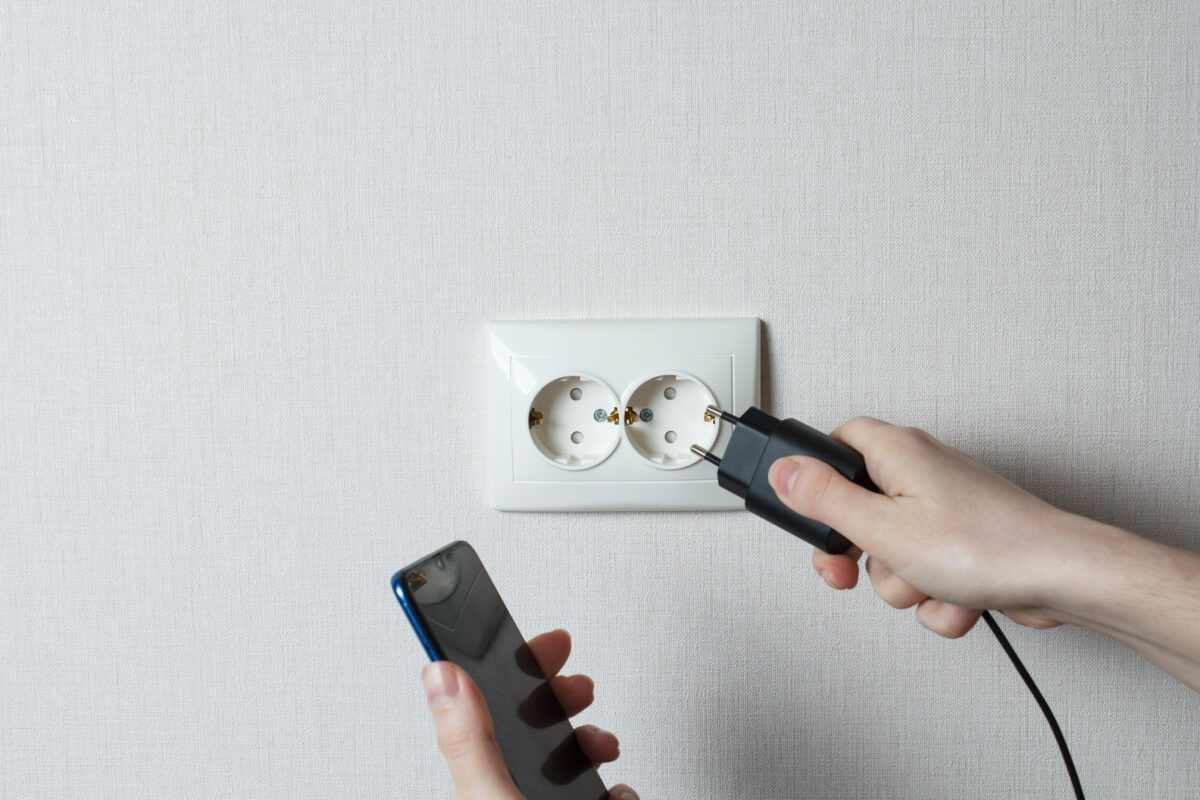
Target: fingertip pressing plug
(759, 440)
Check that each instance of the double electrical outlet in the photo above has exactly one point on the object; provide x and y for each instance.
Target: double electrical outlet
(603, 414)
(572, 436)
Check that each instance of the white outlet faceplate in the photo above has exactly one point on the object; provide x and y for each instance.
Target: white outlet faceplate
(553, 391)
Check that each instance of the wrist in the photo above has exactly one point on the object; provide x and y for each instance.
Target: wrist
(1143, 594)
(1106, 575)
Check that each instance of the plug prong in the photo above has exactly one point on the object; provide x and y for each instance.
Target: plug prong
(724, 415)
(706, 455)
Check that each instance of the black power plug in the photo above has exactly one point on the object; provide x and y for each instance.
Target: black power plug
(758, 441)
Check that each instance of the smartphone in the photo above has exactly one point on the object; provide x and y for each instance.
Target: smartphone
(458, 615)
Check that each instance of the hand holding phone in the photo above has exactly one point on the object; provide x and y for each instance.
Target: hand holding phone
(466, 735)
(500, 707)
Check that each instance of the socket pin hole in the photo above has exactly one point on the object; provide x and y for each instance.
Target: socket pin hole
(566, 427)
(678, 401)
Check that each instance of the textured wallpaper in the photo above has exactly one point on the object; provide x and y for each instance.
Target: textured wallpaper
(246, 252)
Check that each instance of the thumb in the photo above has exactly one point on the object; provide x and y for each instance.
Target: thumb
(813, 489)
(465, 734)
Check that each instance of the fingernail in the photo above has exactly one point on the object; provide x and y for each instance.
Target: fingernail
(627, 794)
(783, 475)
(826, 578)
(441, 684)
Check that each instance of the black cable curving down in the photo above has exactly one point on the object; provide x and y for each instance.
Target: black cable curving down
(1041, 701)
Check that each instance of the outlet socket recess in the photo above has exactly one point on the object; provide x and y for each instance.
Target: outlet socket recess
(601, 415)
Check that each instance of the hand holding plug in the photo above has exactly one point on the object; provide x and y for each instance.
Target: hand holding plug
(944, 533)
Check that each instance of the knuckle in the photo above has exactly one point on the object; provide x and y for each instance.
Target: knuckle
(459, 743)
(920, 437)
(856, 422)
(856, 428)
(945, 619)
(892, 442)
(877, 569)
(895, 592)
(946, 628)
(900, 440)
(951, 632)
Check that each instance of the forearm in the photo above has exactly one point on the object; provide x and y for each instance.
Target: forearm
(1141, 593)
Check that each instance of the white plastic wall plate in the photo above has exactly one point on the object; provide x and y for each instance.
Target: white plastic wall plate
(558, 454)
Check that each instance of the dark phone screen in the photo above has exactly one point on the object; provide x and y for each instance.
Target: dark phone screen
(451, 597)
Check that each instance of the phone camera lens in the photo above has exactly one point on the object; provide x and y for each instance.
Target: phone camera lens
(435, 581)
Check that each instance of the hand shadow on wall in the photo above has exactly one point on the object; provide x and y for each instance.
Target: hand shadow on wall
(1143, 502)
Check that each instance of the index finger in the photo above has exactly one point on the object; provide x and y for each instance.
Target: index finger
(860, 431)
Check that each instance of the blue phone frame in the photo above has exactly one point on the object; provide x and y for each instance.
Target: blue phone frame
(410, 612)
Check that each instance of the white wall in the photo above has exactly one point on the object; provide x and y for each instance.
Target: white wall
(246, 254)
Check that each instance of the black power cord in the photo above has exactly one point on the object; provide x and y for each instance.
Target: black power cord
(1041, 701)
(759, 439)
